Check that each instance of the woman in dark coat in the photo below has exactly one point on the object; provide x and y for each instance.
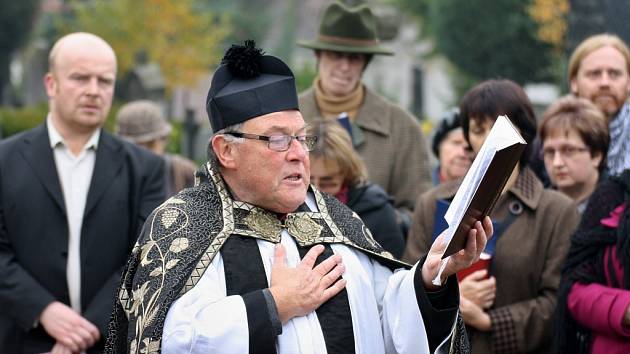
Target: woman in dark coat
(338, 170)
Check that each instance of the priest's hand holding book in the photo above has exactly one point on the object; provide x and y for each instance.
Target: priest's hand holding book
(476, 241)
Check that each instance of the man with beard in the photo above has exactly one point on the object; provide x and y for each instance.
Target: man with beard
(599, 70)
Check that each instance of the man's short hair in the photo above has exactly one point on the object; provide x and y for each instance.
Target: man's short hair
(593, 43)
(580, 115)
(212, 156)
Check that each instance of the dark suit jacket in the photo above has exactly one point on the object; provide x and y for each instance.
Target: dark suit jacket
(126, 185)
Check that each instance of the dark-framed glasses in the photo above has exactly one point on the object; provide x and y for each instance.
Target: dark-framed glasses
(280, 142)
(567, 151)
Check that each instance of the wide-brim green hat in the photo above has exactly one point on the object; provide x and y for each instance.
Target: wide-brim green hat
(347, 30)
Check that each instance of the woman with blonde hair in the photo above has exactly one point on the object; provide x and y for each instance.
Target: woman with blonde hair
(338, 170)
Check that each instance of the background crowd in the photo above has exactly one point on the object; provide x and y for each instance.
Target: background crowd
(74, 197)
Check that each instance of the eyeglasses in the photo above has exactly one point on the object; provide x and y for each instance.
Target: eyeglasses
(567, 151)
(280, 142)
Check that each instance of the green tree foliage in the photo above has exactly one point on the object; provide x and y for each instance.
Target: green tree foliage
(551, 16)
(182, 38)
(16, 22)
(250, 19)
(14, 120)
(487, 39)
(418, 9)
(304, 76)
(271, 23)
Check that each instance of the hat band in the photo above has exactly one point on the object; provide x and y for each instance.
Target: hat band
(350, 41)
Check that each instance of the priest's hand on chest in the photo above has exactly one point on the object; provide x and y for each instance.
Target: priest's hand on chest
(301, 290)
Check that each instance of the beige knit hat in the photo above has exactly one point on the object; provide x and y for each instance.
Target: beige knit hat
(141, 121)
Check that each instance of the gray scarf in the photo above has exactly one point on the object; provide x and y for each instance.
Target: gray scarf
(619, 149)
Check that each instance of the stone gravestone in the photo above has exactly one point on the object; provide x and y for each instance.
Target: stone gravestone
(144, 81)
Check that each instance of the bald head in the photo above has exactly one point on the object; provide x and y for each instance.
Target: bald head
(80, 83)
(78, 41)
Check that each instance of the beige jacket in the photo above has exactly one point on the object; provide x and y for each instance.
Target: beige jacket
(527, 262)
(390, 141)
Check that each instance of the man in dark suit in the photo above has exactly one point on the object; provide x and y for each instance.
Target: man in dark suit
(72, 201)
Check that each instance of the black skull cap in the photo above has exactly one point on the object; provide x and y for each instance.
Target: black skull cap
(249, 84)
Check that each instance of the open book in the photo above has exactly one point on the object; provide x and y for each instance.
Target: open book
(483, 183)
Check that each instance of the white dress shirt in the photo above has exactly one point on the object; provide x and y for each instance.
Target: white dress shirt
(75, 175)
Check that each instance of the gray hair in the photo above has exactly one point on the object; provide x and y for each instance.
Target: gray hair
(236, 128)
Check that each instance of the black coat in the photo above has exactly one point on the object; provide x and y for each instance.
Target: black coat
(376, 209)
(127, 183)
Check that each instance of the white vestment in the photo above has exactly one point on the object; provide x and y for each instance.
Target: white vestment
(385, 313)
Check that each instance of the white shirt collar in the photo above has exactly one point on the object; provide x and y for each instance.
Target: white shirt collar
(56, 138)
(310, 201)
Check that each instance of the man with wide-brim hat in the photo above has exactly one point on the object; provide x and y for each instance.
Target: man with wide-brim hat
(348, 30)
(387, 137)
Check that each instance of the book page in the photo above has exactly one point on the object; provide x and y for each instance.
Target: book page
(503, 135)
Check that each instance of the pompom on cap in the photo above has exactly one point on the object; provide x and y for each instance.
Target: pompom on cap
(243, 61)
(249, 84)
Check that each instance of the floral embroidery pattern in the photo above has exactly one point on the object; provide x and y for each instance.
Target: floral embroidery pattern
(148, 346)
(143, 305)
(173, 252)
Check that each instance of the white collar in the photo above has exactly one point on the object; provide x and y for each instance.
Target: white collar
(56, 138)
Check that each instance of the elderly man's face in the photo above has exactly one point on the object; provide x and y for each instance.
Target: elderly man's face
(603, 78)
(274, 180)
(81, 84)
(340, 73)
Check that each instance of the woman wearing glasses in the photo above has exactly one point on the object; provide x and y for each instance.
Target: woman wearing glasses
(508, 307)
(575, 141)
